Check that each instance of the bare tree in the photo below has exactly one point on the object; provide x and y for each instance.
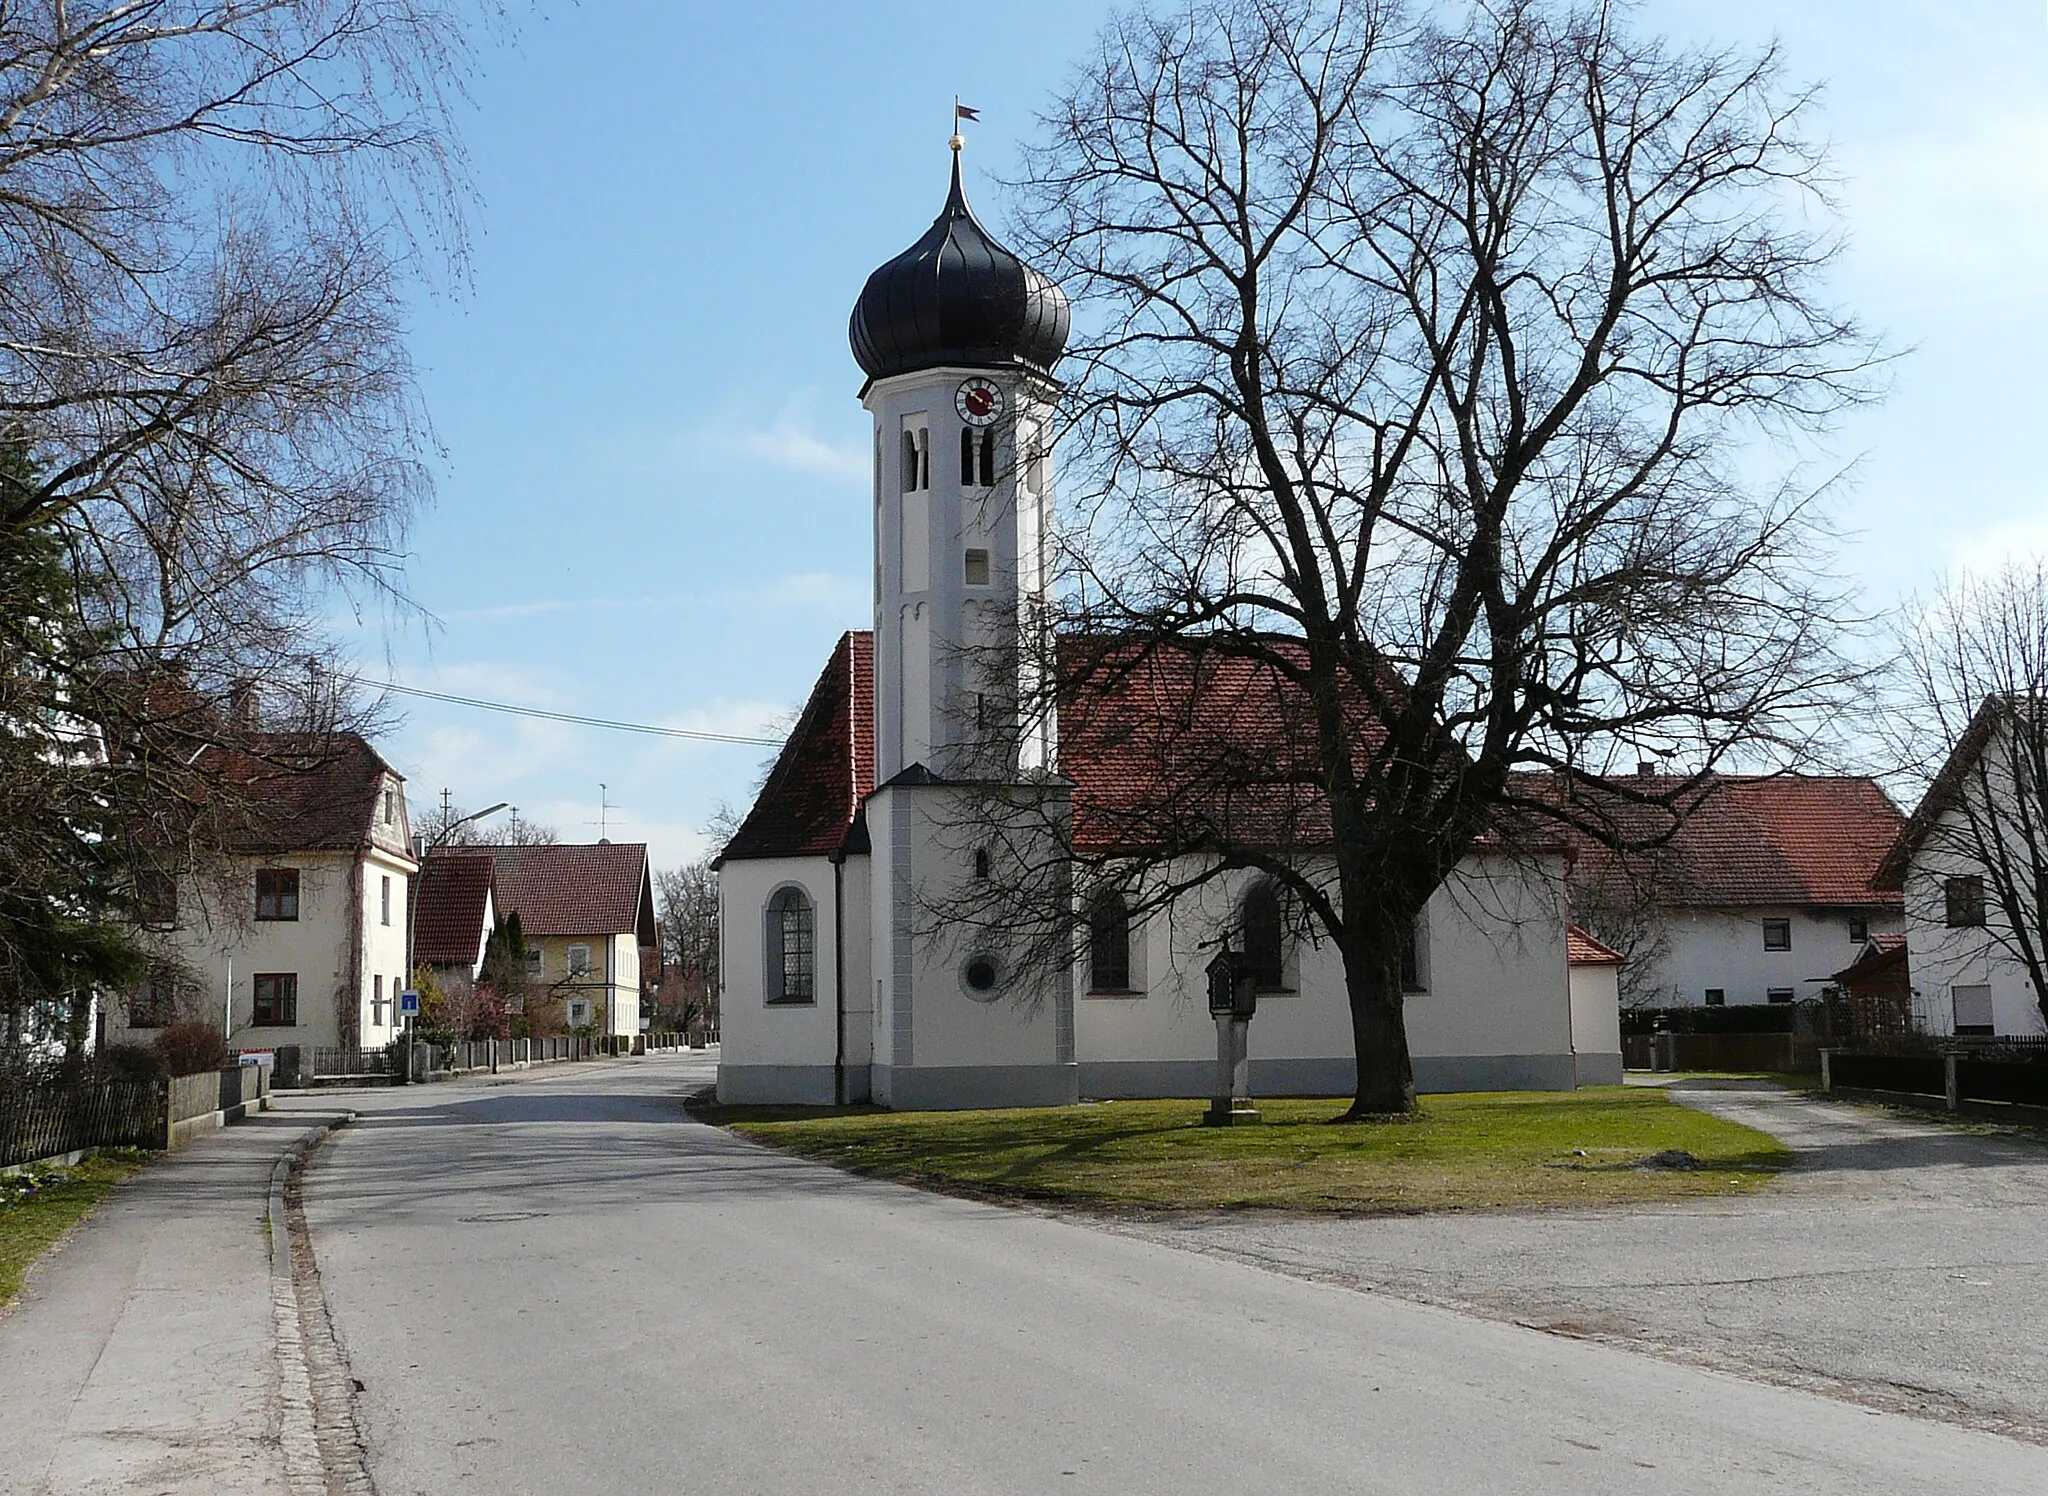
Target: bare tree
(1421, 363)
(209, 213)
(448, 825)
(687, 899)
(1974, 671)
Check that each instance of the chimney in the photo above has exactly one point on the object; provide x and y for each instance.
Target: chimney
(1645, 767)
(242, 706)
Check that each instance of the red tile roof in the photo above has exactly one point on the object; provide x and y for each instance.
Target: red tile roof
(1189, 748)
(599, 888)
(826, 768)
(1176, 749)
(303, 792)
(1762, 840)
(1883, 953)
(1582, 949)
(452, 892)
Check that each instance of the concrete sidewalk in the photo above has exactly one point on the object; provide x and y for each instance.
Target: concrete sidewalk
(141, 1354)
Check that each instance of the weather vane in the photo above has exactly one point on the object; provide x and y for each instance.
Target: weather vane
(960, 112)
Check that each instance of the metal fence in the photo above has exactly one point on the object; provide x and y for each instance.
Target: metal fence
(47, 1116)
(310, 1065)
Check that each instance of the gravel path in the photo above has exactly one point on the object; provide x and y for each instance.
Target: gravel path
(1900, 1263)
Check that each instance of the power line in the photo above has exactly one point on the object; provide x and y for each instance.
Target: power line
(570, 717)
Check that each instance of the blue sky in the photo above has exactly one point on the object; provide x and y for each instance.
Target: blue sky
(652, 499)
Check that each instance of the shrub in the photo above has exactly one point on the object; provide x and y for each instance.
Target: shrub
(131, 1062)
(191, 1048)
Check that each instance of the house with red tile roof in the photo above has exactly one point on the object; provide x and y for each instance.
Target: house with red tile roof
(1734, 889)
(454, 911)
(587, 913)
(298, 935)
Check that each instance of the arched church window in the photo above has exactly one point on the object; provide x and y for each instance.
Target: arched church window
(981, 862)
(988, 459)
(910, 462)
(924, 458)
(1109, 943)
(1264, 935)
(975, 569)
(792, 948)
(967, 457)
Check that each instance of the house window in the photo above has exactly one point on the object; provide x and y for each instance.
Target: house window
(277, 893)
(384, 899)
(390, 806)
(980, 853)
(1109, 943)
(377, 1002)
(792, 962)
(156, 899)
(1264, 954)
(155, 1003)
(1964, 900)
(977, 568)
(536, 963)
(579, 1012)
(1780, 994)
(1717, 997)
(1777, 934)
(277, 999)
(1859, 931)
(579, 960)
(1414, 959)
(1973, 1010)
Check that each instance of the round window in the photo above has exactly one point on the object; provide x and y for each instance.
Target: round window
(980, 976)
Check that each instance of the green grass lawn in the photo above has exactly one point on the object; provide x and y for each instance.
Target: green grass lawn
(37, 1208)
(1487, 1151)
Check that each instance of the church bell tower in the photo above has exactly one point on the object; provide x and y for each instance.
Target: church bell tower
(958, 339)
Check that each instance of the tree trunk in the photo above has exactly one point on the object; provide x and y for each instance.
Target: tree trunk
(1386, 1080)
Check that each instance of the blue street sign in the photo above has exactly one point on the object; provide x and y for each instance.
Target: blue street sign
(409, 1003)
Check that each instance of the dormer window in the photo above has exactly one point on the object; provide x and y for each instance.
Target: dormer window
(390, 806)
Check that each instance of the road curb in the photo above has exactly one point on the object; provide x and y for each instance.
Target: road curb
(280, 1172)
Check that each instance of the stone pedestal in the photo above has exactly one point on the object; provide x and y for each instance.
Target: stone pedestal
(1232, 1105)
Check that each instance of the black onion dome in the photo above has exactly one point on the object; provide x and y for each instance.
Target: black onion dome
(957, 297)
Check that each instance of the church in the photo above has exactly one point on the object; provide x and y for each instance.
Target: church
(839, 985)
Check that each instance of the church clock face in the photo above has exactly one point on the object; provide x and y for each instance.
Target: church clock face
(979, 402)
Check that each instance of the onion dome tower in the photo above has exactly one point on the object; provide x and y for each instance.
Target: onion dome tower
(958, 339)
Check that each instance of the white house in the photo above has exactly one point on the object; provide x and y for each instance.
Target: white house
(298, 937)
(835, 984)
(1965, 917)
(1761, 894)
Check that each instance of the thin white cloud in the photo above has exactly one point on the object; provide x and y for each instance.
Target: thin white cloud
(1994, 547)
(790, 443)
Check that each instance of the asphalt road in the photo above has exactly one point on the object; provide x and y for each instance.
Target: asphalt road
(1902, 1263)
(560, 1285)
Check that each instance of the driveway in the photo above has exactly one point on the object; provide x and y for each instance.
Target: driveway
(1902, 1264)
(564, 1285)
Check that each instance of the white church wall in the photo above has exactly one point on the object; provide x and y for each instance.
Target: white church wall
(781, 1051)
(938, 1043)
(1497, 1011)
